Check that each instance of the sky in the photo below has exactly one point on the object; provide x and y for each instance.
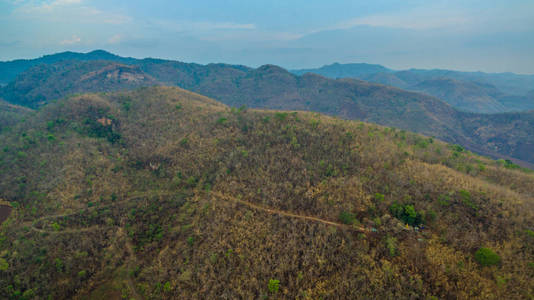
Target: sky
(468, 35)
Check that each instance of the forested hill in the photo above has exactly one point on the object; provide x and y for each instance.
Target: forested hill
(160, 193)
(273, 87)
(9, 70)
(11, 114)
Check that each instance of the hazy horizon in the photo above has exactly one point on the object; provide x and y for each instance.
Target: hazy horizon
(259, 65)
(487, 36)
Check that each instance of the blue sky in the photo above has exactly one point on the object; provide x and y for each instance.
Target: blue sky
(490, 35)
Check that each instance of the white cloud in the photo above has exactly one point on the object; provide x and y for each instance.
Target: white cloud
(73, 40)
(418, 22)
(251, 36)
(191, 26)
(115, 39)
(449, 15)
(68, 11)
(424, 18)
(62, 2)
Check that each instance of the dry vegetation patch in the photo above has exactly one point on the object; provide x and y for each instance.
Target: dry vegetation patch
(175, 195)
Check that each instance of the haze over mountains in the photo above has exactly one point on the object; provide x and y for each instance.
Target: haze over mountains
(505, 136)
(468, 91)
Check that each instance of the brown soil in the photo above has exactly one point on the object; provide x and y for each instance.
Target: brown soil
(5, 211)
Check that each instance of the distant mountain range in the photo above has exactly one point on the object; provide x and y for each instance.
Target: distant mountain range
(507, 136)
(468, 91)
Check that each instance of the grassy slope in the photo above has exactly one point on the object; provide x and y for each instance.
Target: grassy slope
(177, 179)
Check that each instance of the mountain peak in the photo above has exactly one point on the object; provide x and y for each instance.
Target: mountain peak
(271, 69)
(100, 52)
(337, 70)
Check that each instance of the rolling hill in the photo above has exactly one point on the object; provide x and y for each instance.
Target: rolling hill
(11, 114)
(163, 193)
(9, 70)
(466, 96)
(468, 91)
(272, 87)
(47, 82)
(497, 92)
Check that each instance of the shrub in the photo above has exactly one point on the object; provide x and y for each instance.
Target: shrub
(3, 264)
(192, 181)
(222, 120)
(56, 226)
(431, 216)
(391, 244)
(127, 105)
(274, 285)
(346, 217)
(444, 200)
(190, 240)
(28, 294)
(59, 265)
(487, 257)
(510, 165)
(379, 197)
(457, 148)
(406, 213)
(465, 197)
(167, 287)
(281, 116)
(410, 214)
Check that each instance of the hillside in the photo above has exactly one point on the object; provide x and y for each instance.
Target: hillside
(162, 193)
(275, 88)
(499, 92)
(9, 70)
(464, 95)
(11, 114)
(504, 133)
(44, 83)
(508, 83)
(468, 91)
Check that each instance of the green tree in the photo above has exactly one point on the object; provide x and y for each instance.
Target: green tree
(487, 257)
(274, 285)
(3, 264)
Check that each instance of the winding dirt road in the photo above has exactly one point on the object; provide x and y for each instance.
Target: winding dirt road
(287, 214)
(129, 246)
